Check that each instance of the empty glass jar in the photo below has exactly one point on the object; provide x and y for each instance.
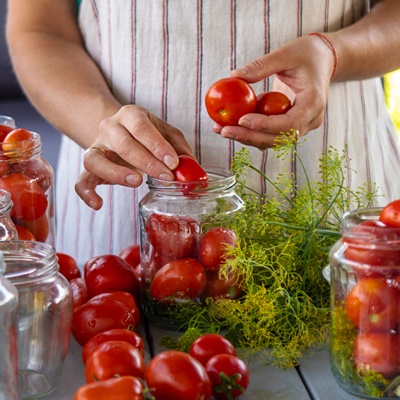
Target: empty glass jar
(44, 315)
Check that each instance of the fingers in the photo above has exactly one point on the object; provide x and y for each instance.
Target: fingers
(85, 188)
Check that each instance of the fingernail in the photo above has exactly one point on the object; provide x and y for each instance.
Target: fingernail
(170, 161)
(240, 71)
(227, 135)
(165, 177)
(246, 123)
(132, 180)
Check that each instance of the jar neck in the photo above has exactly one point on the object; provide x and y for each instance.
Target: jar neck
(24, 150)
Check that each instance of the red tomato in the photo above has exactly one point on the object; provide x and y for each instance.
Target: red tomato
(171, 367)
(131, 255)
(125, 298)
(68, 266)
(39, 170)
(99, 315)
(228, 99)
(18, 140)
(212, 251)
(221, 288)
(39, 227)
(113, 334)
(209, 345)
(378, 351)
(171, 236)
(24, 233)
(79, 292)
(373, 304)
(121, 388)
(235, 369)
(189, 170)
(4, 130)
(390, 214)
(109, 273)
(3, 165)
(182, 279)
(273, 103)
(114, 358)
(29, 200)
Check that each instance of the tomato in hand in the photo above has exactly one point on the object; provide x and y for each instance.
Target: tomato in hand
(121, 388)
(114, 358)
(209, 345)
(112, 334)
(29, 200)
(171, 367)
(99, 315)
(189, 170)
(79, 292)
(229, 375)
(181, 279)
(68, 266)
(228, 99)
(212, 250)
(378, 351)
(18, 140)
(373, 304)
(273, 103)
(109, 273)
(221, 287)
(390, 214)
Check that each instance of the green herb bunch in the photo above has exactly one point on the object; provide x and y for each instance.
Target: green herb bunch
(283, 245)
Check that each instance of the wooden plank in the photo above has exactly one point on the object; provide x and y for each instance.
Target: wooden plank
(267, 382)
(317, 375)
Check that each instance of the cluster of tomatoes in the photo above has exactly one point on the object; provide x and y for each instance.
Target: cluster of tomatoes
(373, 303)
(105, 318)
(28, 180)
(228, 99)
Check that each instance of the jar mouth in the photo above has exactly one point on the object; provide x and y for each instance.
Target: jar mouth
(219, 179)
(26, 261)
(24, 149)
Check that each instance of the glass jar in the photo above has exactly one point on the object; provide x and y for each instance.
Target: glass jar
(30, 181)
(365, 306)
(6, 120)
(8, 337)
(44, 315)
(8, 230)
(175, 219)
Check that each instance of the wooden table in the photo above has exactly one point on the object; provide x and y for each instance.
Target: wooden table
(313, 379)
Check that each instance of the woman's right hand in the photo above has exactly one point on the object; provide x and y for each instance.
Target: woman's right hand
(129, 144)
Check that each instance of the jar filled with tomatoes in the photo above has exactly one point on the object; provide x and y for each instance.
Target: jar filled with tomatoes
(44, 314)
(365, 303)
(30, 181)
(187, 227)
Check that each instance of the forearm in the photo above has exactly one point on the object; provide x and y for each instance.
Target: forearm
(370, 47)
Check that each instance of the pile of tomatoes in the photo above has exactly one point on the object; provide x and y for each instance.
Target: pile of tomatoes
(105, 319)
(29, 179)
(372, 305)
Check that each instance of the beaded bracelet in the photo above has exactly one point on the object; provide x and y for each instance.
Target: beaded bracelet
(332, 47)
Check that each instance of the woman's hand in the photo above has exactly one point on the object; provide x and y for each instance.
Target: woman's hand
(303, 70)
(129, 144)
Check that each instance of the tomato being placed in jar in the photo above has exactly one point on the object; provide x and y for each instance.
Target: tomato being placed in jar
(373, 304)
(234, 369)
(29, 200)
(181, 279)
(390, 214)
(68, 266)
(209, 345)
(189, 170)
(377, 351)
(213, 245)
(113, 334)
(175, 375)
(228, 99)
(121, 388)
(273, 103)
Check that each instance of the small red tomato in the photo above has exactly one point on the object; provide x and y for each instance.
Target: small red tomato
(121, 388)
(113, 334)
(68, 266)
(114, 358)
(4, 130)
(181, 279)
(109, 273)
(189, 170)
(273, 103)
(228, 99)
(174, 375)
(24, 233)
(390, 214)
(235, 369)
(212, 251)
(131, 255)
(79, 292)
(377, 351)
(209, 345)
(39, 227)
(221, 287)
(18, 140)
(373, 304)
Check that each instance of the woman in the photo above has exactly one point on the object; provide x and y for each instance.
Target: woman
(125, 80)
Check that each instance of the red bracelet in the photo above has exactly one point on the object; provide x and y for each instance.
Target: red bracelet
(332, 47)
